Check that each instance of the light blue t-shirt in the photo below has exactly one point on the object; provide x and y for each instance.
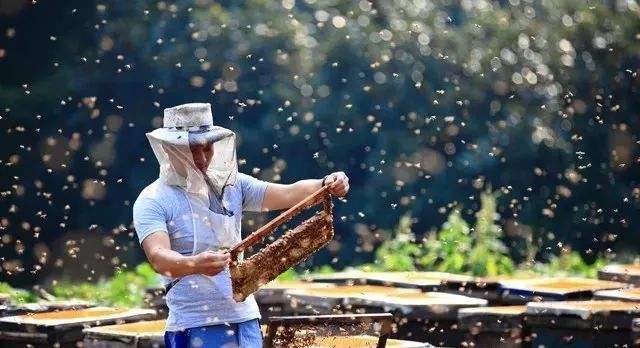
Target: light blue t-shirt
(199, 300)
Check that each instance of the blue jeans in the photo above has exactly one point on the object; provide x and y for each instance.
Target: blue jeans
(246, 335)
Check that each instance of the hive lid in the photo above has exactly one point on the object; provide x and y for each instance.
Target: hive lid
(75, 316)
(404, 278)
(628, 273)
(632, 294)
(345, 291)
(560, 286)
(424, 299)
(296, 284)
(363, 341)
(424, 305)
(583, 309)
(418, 279)
(46, 306)
(493, 310)
(152, 328)
(347, 276)
(632, 269)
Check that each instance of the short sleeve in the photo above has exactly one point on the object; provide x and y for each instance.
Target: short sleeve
(252, 192)
(148, 217)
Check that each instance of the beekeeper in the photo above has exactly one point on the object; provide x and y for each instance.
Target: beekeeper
(188, 217)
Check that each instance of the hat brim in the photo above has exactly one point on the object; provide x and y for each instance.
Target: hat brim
(184, 138)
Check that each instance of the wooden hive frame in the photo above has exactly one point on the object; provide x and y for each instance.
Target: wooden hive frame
(286, 327)
(293, 247)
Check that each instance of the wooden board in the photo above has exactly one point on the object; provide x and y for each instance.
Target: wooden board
(363, 341)
(137, 329)
(583, 309)
(69, 318)
(142, 334)
(274, 292)
(152, 328)
(627, 273)
(557, 287)
(331, 297)
(487, 288)
(427, 280)
(45, 306)
(348, 277)
(492, 319)
(632, 295)
(599, 323)
(302, 331)
(273, 300)
(494, 310)
(423, 306)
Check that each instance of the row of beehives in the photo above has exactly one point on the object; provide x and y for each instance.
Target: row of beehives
(101, 327)
(79, 324)
(453, 310)
(464, 311)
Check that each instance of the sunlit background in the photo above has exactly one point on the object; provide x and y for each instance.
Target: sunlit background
(434, 108)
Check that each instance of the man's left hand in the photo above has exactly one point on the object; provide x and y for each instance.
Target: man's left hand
(338, 184)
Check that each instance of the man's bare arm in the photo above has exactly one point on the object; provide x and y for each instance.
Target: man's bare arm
(279, 196)
(173, 264)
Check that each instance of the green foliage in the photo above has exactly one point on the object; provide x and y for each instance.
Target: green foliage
(400, 252)
(17, 295)
(480, 251)
(289, 274)
(489, 256)
(125, 289)
(569, 263)
(324, 269)
(457, 249)
(447, 250)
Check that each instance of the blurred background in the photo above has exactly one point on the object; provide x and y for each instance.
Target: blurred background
(480, 137)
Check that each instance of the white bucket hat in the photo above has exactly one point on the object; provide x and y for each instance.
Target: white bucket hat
(187, 125)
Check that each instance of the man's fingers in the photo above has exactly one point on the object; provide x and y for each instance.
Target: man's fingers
(216, 266)
(340, 189)
(216, 256)
(338, 183)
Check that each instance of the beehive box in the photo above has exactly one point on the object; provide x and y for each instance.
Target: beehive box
(272, 298)
(343, 278)
(154, 298)
(363, 341)
(488, 288)
(327, 330)
(427, 281)
(629, 273)
(497, 326)
(630, 295)
(12, 309)
(4, 299)
(553, 289)
(337, 299)
(142, 334)
(62, 328)
(425, 317)
(585, 324)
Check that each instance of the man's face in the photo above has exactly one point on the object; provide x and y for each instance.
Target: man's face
(202, 154)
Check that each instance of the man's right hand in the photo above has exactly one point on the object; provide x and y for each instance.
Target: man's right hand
(211, 262)
(172, 264)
